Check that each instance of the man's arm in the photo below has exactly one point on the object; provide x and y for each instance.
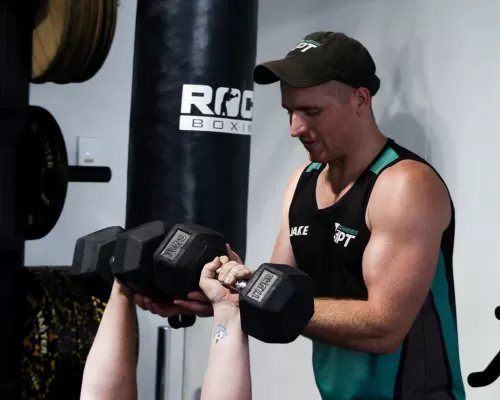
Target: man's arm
(407, 213)
(227, 376)
(282, 251)
(110, 369)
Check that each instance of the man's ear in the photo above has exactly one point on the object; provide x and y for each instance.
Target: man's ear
(362, 100)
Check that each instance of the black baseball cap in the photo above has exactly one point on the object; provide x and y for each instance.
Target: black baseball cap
(321, 57)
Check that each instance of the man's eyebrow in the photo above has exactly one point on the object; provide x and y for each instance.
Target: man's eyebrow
(302, 108)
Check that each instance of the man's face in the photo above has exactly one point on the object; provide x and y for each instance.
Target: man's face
(322, 118)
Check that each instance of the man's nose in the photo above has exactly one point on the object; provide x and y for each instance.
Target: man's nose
(297, 125)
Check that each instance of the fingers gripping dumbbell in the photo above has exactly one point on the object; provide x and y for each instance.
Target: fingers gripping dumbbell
(275, 304)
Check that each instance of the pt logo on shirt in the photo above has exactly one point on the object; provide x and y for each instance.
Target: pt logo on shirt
(299, 231)
(343, 234)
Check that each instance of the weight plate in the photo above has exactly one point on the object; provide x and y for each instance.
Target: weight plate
(103, 46)
(93, 39)
(50, 39)
(74, 53)
(43, 166)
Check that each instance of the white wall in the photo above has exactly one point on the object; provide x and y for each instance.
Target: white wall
(438, 62)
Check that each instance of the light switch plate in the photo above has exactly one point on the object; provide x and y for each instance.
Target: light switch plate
(88, 151)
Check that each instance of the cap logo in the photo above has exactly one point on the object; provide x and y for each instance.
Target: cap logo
(305, 45)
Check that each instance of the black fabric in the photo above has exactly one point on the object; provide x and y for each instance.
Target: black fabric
(189, 149)
(329, 245)
(424, 364)
(321, 57)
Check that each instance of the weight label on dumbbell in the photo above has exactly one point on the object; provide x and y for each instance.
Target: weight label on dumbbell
(175, 245)
(263, 285)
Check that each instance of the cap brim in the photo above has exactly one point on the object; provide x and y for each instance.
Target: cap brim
(287, 70)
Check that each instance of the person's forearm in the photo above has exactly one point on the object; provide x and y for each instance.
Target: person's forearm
(110, 369)
(351, 324)
(227, 376)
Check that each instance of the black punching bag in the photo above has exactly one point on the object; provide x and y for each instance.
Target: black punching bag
(191, 113)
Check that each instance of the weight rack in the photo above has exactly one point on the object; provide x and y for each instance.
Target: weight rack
(15, 72)
(16, 20)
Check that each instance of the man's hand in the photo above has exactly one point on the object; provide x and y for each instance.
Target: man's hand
(197, 303)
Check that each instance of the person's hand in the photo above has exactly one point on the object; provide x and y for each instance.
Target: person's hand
(197, 303)
(221, 270)
(201, 308)
(232, 269)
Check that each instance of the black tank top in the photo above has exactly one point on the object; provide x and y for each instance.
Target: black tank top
(328, 244)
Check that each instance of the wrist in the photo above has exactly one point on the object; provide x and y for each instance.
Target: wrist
(226, 313)
(121, 291)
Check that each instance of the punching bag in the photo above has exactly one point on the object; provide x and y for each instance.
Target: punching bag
(191, 115)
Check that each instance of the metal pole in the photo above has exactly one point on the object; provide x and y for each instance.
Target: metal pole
(15, 72)
(169, 364)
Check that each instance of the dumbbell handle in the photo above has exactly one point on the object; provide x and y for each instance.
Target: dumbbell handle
(89, 174)
(259, 277)
(238, 286)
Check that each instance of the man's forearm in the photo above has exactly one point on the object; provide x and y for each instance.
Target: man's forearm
(353, 324)
(227, 376)
(110, 370)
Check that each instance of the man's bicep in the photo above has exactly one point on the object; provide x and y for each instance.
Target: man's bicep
(408, 216)
(398, 270)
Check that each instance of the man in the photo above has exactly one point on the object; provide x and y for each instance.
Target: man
(373, 225)
(110, 369)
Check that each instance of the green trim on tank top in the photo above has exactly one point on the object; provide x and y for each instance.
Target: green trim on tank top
(388, 156)
(313, 166)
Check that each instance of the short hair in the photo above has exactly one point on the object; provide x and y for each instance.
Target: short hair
(339, 90)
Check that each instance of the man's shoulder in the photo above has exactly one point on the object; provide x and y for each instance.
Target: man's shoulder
(410, 187)
(413, 173)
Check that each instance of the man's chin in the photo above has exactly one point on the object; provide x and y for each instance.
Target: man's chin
(316, 157)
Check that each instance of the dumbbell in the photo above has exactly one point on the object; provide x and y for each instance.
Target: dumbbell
(140, 250)
(101, 256)
(133, 265)
(133, 259)
(92, 260)
(275, 304)
(112, 252)
(181, 256)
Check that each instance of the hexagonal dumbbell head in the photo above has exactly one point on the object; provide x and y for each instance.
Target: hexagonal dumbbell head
(277, 303)
(91, 261)
(133, 261)
(183, 254)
